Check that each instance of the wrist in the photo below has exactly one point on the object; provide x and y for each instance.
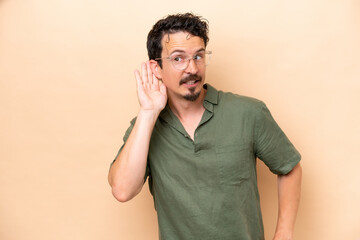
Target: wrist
(283, 235)
(148, 115)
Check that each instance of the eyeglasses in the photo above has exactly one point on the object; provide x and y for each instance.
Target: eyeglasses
(181, 61)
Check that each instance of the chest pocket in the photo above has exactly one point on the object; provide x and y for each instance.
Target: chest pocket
(234, 163)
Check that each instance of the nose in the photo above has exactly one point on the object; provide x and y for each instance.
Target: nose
(192, 67)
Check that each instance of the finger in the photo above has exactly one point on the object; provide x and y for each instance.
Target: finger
(137, 77)
(149, 72)
(155, 81)
(162, 88)
(139, 82)
(144, 74)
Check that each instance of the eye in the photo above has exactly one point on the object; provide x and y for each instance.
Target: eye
(178, 58)
(199, 56)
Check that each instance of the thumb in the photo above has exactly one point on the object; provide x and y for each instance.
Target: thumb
(162, 88)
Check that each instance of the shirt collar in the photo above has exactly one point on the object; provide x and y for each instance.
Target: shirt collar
(211, 99)
(211, 94)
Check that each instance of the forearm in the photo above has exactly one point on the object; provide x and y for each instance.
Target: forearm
(289, 189)
(126, 175)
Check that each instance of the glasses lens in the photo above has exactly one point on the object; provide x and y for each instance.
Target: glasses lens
(202, 58)
(207, 58)
(181, 61)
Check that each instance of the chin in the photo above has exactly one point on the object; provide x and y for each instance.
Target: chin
(192, 97)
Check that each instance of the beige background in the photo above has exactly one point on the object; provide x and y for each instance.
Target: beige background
(67, 94)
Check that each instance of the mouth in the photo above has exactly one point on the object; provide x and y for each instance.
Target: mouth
(191, 84)
(190, 81)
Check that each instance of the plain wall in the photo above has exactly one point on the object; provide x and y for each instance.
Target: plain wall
(67, 93)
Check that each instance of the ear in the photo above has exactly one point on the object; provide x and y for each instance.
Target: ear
(155, 68)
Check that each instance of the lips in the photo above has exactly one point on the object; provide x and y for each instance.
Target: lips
(190, 80)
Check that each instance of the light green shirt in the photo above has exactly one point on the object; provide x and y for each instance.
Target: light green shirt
(207, 188)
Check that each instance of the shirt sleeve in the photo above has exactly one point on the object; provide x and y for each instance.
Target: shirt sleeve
(126, 136)
(272, 145)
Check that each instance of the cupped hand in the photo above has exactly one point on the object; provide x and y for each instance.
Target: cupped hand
(151, 91)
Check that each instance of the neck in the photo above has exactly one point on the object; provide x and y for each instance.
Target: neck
(183, 108)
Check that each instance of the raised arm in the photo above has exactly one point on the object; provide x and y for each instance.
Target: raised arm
(126, 175)
(289, 188)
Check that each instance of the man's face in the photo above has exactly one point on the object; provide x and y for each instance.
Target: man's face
(182, 84)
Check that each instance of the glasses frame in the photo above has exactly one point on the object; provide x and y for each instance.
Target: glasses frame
(187, 60)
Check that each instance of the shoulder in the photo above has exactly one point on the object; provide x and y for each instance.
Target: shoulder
(239, 102)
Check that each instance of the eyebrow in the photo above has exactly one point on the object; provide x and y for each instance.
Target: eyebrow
(182, 51)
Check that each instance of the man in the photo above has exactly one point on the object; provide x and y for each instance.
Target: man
(198, 146)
